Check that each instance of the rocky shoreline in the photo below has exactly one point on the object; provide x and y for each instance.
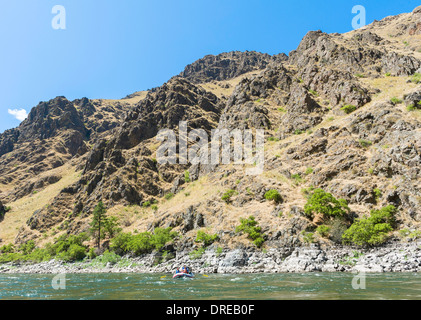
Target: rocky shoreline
(390, 258)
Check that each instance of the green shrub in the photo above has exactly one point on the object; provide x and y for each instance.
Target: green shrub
(298, 132)
(396, 101)
(142, 243)
(27, 248)
(364, 143)
(373, 230)
(258, 242)
(187, 176)
(321, 202)
(91, 254)
(111, 227)
(73, 253)
(307, 192)
(273, 195)
(388, 74)
(69, 247)
(249, 226)
(154, 207)
(309, 171)
(121, 243)
(404, 232)
(169, 196)
(323, 231)
(386, 215)
(378, 194)
(411, 107)
(414, 107)
(9, 248)
(365, 232)
(416, 78)
(308, 237)
(197, 254)
(38, 255)
(314, 93)
(161, 237)
(146, 204)
(205, 238)
(349, 108)
(297, 178)
(107, 257)
(415, 235)
(228, 194)
(11, 257)
(66, 248)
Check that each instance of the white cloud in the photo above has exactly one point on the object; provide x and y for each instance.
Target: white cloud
(19, 114)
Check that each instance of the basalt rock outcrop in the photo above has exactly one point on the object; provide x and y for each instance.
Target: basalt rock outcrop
(228, 65)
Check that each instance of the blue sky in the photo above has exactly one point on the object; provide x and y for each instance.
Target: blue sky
(113, 48)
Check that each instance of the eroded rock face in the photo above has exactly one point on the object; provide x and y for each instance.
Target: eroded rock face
(8, 140)
(339, 87)
(400, 65)
(48, 118)
(54, 133)
(178, 100)
(303, 111)
(413, 99)
(228, 65)
(361, 54)
(244, 109)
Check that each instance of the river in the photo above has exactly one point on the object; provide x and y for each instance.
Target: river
(309, 286)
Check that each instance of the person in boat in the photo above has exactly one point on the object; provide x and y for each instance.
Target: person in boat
(185, 270)
(177, 271)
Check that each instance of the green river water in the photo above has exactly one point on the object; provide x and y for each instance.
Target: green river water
(311, 286)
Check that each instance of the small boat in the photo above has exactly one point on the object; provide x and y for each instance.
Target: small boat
(183, 275)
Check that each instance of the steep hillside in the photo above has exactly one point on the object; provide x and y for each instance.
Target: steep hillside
(340, 113)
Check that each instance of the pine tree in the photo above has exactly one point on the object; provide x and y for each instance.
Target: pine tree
(98, 222)
(102, 225)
